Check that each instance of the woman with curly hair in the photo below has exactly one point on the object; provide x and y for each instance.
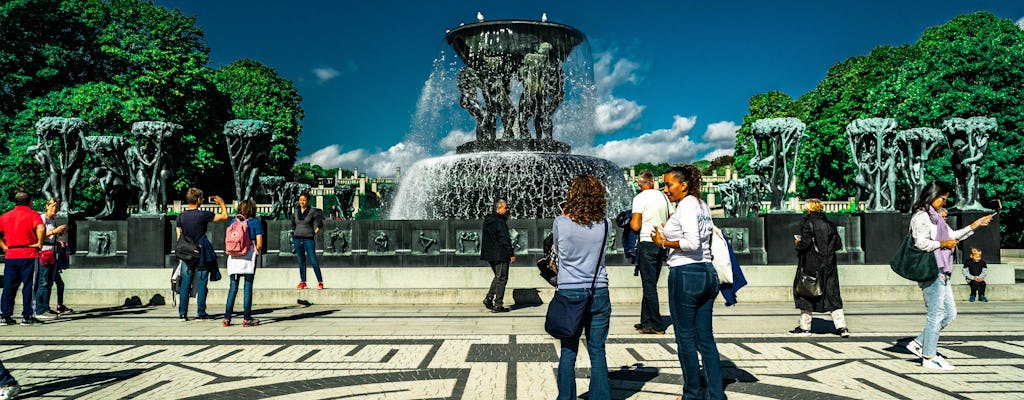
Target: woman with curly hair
(579, 236)
(692, 283)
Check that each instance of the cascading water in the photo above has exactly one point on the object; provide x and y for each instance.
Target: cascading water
(524, 84)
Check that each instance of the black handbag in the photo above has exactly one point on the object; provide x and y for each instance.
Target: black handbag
(808, 285)
(187, 249)
(548, 264)
(564, 318)
(913, 263)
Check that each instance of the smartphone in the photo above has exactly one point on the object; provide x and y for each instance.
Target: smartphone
(796, 237)
(212, 199)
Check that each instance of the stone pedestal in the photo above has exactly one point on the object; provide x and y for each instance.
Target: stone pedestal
(882, 233)
(779, 229)
(747, 238)
(985, 238)
(149, 240)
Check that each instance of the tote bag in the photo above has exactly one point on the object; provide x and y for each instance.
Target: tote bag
(913, 263)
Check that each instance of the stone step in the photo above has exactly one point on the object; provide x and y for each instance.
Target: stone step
(513, 295)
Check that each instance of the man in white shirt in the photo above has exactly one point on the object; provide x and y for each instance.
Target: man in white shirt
(650, 208)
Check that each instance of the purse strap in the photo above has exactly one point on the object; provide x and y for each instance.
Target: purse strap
(597, 268)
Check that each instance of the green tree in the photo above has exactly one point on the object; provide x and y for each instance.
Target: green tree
(256, 92)
(656, 169)
(826, 168)
(968, 67)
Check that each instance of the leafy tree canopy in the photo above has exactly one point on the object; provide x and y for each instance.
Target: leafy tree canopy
(115, 62)
(968, 67)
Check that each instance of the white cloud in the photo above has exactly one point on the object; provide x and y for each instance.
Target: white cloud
(608, 77)
(615, 113)
(718, 153)
(456, 138)
(612, 113)
(1020, 23)
(662, 145)
(721, 134)
(381, 164)
(325, 74)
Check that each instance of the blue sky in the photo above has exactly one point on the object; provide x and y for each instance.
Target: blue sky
(673, 77)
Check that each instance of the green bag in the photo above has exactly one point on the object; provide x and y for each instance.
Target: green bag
(913, 263)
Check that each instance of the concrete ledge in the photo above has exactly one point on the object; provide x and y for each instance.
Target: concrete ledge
(264, 297)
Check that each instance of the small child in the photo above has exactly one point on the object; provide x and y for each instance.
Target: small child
(975, 270)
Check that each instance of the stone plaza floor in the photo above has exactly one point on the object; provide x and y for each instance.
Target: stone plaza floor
(463, 352)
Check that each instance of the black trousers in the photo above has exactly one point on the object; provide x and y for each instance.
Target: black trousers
(977, 287)
(497, 290)
(650, 257)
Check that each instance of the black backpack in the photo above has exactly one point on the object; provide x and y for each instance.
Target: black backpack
(186, 249)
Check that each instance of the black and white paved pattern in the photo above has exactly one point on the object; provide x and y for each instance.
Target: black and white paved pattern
(497, 366)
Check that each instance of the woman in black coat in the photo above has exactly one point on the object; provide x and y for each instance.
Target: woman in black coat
(816, 248)
(496, 249)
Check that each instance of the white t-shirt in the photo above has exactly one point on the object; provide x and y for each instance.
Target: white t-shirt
(691, 226)
(654, 209)
(50, 224)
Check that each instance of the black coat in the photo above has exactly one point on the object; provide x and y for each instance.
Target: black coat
(817, 231)
(496, 244)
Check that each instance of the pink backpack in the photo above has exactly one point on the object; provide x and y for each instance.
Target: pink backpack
(236, 240)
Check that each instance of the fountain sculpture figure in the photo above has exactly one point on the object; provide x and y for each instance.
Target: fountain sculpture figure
(112, 175)
(916, 146)
(514, 83)
(249, 144)
(150, 164)
(874, 151)
(968, 141)
(776, 144)
(58, 150)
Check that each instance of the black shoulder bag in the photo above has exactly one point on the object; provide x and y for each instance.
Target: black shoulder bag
(564, 319)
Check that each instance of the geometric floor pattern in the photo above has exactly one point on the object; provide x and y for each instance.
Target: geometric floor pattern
(497, 366)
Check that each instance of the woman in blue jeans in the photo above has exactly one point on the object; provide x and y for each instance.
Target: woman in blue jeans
(931, 233)
(692, 283)
(247, 262)
(579, 237)
(306, 224)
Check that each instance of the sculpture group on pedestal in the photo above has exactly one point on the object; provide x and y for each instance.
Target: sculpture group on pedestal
(776, 145)
(877, 149)
(58, 150)
(112, 175)
(873, 148)
(248, 144)
(742, 197)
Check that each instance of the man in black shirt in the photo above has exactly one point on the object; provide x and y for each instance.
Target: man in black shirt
(193, 223)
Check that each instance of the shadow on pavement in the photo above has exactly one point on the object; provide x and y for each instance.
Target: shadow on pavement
(87, 382)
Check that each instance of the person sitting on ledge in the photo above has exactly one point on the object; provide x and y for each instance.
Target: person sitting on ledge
(975, 270)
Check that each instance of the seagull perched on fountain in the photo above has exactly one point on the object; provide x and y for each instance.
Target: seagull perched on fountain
(479, 16)
(544, 17)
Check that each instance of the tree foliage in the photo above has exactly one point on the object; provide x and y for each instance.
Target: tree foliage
(256, 92)
(115, 62)
(969, 66)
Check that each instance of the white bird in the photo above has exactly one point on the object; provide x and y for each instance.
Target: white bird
(479, 16)
(544, 17)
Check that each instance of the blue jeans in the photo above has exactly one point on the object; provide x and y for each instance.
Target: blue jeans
(202, 276)
(692, 289)
(596, 326)
(17, 271)
(306, 249)
(938, 299)
(43, 285)
(246, 296)
(649, 260)
(5, 376)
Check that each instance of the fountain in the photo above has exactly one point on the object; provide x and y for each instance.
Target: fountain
(513, 85)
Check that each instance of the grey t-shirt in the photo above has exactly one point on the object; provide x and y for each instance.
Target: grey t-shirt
(579, 250)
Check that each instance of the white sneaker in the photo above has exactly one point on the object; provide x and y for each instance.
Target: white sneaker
(937, 362)
(9, 391)
(915, 347)
(45, 316)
